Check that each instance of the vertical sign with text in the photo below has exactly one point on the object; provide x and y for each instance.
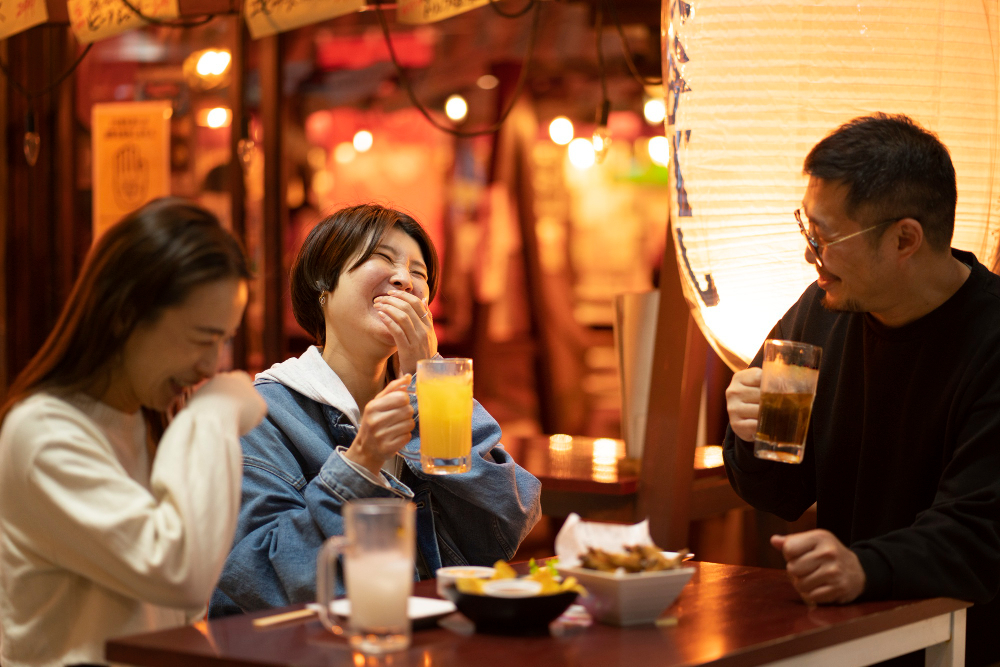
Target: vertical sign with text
(131, 157)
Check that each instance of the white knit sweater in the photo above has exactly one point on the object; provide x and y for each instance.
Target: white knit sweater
(93, 544)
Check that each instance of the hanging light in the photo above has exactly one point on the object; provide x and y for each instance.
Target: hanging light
(456, 108)
(561, 130)
(581, 153)
(32, 142)
(659, 150)
(602, 137)
(753, 86)
(654, 110)
(363, 141)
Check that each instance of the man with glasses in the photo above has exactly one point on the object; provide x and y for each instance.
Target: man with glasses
(903, 453)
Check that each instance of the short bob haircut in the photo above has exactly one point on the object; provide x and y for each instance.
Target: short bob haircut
(342, 242)
(149, 261)
(893, 169)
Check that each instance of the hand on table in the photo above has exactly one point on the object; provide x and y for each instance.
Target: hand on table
(408, 319)
(385, 427)
(822, 569)
(743, 403)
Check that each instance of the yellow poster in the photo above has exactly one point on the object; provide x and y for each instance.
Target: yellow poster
(429, 11)
(92, 20)
(131, 157)
(267, 17)
(19, 15)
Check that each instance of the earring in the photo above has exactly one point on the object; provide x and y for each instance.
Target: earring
(322, 299)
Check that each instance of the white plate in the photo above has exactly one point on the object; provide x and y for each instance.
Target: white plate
(417, 608)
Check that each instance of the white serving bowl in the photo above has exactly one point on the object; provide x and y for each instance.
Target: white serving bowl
(629, 599)
(449, 575)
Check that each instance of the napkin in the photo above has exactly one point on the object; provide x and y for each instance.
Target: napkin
(576, 535)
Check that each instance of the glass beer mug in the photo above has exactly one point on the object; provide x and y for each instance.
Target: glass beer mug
(787, 389)
(378, 551)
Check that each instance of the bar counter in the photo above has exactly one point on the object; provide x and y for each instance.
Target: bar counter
(727, 616)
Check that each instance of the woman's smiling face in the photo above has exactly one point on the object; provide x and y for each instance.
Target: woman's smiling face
(349, 312)
(180, 348)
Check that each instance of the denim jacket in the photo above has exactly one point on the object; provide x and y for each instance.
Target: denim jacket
(295, 481)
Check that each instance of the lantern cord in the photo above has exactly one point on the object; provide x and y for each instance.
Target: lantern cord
(513, 15)
(170, 23)
(404, 79)
(598, 30)
(49, 87)
(629, 60)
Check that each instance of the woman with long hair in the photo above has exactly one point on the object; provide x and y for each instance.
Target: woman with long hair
(339, 414)
(109, 523)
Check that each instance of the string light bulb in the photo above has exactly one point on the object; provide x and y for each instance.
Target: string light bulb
(32, 142)
(602, 137)
(561, 130)
(456, 108)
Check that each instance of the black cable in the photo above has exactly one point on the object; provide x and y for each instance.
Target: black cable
(404, 79)
(598, 30)
(49, 87)
(514, 15)
(628, 54)
(170, 23)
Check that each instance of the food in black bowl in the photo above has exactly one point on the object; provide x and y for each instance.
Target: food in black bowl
(507, 605)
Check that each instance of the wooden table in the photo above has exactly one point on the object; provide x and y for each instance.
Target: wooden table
(732, 616)
(594, 478)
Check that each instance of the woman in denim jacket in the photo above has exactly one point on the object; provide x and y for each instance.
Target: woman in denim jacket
(360, 285)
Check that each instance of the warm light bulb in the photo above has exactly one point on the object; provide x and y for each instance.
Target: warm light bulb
(363, 140)
(659, 150)
(655, 111)
(222, 60)
(344, 152)
(206, 63)
(601, 142)
(581, 153)
(218, 117)
(456, 108)
(561, 130)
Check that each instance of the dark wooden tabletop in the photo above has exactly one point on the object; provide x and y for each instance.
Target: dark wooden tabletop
(728, 616)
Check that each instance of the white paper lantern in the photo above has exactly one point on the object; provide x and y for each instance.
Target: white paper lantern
(752, 86)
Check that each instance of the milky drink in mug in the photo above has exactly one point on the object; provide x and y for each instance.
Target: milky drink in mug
(378, 550)
(444, 411)
(787, 389)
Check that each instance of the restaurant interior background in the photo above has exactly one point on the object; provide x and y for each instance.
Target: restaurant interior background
(536, 234)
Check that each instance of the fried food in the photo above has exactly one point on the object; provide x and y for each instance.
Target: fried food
(546, 575)
(635, 558)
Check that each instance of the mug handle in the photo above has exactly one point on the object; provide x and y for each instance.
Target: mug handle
(326, 580)
(405, 454)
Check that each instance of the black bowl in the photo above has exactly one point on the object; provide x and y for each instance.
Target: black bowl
(512, 616)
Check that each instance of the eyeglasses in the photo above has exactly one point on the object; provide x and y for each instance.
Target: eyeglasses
(817, 246)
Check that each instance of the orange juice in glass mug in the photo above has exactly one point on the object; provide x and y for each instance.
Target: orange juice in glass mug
(444, 411)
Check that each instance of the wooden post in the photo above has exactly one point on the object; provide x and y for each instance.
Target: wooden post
(667, 471)
(275, 212)
(237, 175)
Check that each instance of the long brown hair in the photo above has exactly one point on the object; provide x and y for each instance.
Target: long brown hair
(324, 256)
(149, 261)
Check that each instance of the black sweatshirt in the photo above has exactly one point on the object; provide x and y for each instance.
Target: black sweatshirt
(903, 452)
